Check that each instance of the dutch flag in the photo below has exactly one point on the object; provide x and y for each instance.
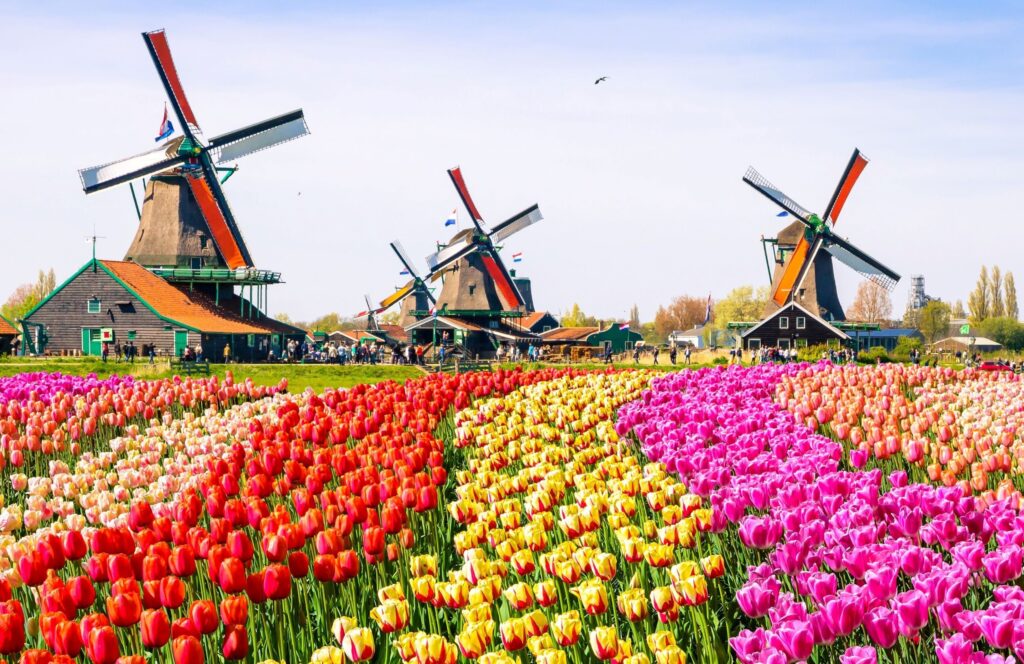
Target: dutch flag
(624, 326)
(517, 257)
(166, 128)
(451, 219)
(782, 214)
(404, 272)
(707, 311)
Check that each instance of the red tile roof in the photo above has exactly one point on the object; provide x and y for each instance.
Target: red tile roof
(190, 311)
(6, 328)
(569, 333)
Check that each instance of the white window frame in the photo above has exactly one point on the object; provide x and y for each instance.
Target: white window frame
(99, 305)
(783, 322)
(801, 322)
(753, 344)
(783, 344)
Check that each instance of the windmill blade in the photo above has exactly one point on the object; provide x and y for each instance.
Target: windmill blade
(397, 296)
(850, 175)
(762, 184)
(97, 178)
(460, 186)
(160, 51)
(218, 223)
(509, 227)
(213, 183)
(399, 250)
(369, 307)
(861, 262)
(508, 292)
(453, 252)
(260, 136)
(792, 272)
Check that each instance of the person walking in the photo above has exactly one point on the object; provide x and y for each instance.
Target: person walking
(656, 351)
(636, 354)
(686, 355)
(672, 355)
(227, 353)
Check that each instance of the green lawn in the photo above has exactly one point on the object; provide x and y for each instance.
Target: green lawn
(300, 376)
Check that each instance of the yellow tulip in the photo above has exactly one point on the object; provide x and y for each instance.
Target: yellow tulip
(713, 566)
(394, 591)
(519, 596)
(513, 634)
(475, 638)
(658, 555)
(633, 549)
(499, 657)
(703, 519)
(545, 592)
(405, 645)
(670, 655)
(632, 604)
(683, 570)
(391, 616)
(661, 599)
(433, 649)
(566, 628)
(327, 655)
(423, 588)
(604, 642)
(603, 566)
(522, 562)
(536, 644)
(425, 565)
(358, 644)
(341, 626)
(476, 613)
(593, 596)
(690, 591)
(551, 656)
(660, 640)
(536, 622)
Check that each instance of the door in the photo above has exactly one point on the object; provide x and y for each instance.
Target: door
(91, 343)
(784, 344)
(180, 342)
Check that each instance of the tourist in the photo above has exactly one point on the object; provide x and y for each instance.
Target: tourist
(636, 354)
(117, 352)
(655, 352)
(686, 354)
(105, 350)
(227, 353)
(672, 355)
(199, 353)
(152, 353)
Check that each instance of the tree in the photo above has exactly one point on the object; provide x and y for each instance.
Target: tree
(996, 306)
(26, 296)
(977, 301)
(285, 318)
(1005, 330)
(958, 308)
(326, 323)
(871, 305)
(392, 317)
(934, 320)
(744, 303)
(576, 318)
(634, 317)
(648, 332)
(683, 313)
(1010, 294)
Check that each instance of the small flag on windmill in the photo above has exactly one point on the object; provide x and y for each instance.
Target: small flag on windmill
(707, 311)
(404, 273)
(166, 128)
(517, 257)
(452, 218)
(624, 327)
(782, 214)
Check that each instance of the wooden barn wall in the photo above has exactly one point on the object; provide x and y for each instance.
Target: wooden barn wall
(66, 314)
(770, 333)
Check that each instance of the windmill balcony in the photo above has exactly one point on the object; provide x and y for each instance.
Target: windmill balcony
(243, 276)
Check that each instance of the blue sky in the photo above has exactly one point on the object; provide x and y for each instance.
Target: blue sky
(639, 178)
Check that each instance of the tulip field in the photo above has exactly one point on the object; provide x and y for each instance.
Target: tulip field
(778, 513)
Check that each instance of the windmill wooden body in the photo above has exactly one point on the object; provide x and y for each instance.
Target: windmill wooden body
(805, 248)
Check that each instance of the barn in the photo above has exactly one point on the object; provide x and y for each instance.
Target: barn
(121, 302)
(792, 326)
(8, 337)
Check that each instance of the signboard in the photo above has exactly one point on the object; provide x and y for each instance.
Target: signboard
(965, 329)
(107, 334)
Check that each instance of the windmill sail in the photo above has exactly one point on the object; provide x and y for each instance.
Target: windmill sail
(163, 158)
(763, 185)
(847, 253)
(259, 136)
(845, 186)
(527, 217)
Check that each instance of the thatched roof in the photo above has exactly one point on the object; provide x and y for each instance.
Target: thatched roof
(172, 230)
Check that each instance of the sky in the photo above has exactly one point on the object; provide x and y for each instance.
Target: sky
(638, 178)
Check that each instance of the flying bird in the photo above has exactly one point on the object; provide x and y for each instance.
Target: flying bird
(603, 78)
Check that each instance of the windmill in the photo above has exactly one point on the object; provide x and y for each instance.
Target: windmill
(807, 275)
(184, 205)
(370, 314)
(415, 296)
(480, 281)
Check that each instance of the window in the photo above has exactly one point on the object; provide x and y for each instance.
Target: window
(131, 335)
(784, 323)
(801, 322)
(126, 307)
(753, 344)
(546, 328)
(801, 343)
(93, 306)
(784, 344)
(197, 263)
(472, 287)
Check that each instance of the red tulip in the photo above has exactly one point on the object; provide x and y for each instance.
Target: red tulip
(203, 615)
(82, 592)
(298, 564)
(96, 567)
(156, 628)
(125, 609)
(276, 548)
(187, 650)
(182, 561)
(373, 541)
(39, 656)
(125, 659)
(140, 516)
(240, 545)
(119, 566)
(91, 622)
(183, 627)
(277, 582)
(151, 594)
(172, 592)
(31, 568)
(324, 568)
(12, 633)
(254, 587)
(231, 577)
(102, 645)
(67, 639)
(234, 610)
(236, 643)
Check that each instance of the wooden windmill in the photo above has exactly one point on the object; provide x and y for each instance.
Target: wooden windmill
(804, 271)
(479, 283)
(185, 220)
(415, 296)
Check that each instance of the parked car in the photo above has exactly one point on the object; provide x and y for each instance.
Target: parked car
(989, 365)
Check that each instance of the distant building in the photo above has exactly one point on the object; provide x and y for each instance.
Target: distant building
(966, 345)
(692, 337)
(8, 336)
(887, 339)
(117, 302)
(792, 326)
(538, 322)
(613, 336)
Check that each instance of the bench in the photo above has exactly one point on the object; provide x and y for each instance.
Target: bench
(191, 367)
